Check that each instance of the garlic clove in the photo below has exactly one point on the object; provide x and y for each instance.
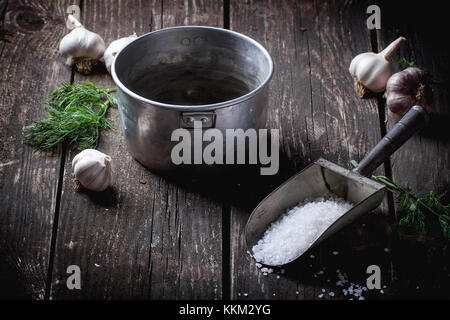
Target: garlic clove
(92, 169)
(92, 153)
(371, 71)
(372, 74)
(113, 49)
(81, 47)
(87, 170)
(101, 182)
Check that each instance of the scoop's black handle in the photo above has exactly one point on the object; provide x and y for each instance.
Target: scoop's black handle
(411, 123)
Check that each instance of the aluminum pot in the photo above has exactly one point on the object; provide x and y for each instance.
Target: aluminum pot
(148, 124)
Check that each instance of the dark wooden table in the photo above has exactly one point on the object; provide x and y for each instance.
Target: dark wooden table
(151, 237)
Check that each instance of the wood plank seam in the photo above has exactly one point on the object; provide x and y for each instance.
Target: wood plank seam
(56, 218)
(64, 152)
(383, 130)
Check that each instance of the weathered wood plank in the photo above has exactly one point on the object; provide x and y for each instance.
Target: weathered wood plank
(188, 265)
(423, 162)
(192, 12)
(318, 113)
(146, 237)
(107, 234)
(31, 69)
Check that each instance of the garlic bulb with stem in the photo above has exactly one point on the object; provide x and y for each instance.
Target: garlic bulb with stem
(114, 47)
(81, 47)
(406, 89)
(92, 170)
(371, 71)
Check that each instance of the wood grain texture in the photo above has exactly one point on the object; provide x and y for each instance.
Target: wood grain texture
(150, 237)
(423, 162)
(30, 68)
(145, 237)
(318, 113)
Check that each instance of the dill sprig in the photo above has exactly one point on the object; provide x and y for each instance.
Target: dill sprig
(76, 115)
(416, 209)
(403, 63)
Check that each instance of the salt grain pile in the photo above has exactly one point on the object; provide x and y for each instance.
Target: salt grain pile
(291, 235)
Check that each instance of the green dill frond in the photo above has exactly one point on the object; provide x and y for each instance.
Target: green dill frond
(76, 115)
(416, 210)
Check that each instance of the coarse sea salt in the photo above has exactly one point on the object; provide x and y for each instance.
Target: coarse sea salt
(292, 234)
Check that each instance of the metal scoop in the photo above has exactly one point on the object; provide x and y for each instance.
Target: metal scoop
(323, 178)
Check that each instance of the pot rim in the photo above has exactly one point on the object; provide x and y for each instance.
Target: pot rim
(204, 107)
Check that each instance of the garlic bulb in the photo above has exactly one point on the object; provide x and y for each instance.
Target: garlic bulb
(81, 47)
(113, 48)
(406, 89)
(92, 169)
(371, 71)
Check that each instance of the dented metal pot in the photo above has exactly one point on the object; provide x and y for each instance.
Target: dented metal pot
(169, 78)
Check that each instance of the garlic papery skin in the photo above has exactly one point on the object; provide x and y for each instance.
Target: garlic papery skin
(406, 89)
(81, 47)
(371, 71)
(92, 169)
(114, 48)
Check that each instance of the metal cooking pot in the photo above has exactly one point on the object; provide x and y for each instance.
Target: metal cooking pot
(148, 124)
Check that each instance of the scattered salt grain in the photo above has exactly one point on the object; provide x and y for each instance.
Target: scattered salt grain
(245, 294)
(351, 289)
(335, 253)
(323, 290)
(386, 249)
(331, 294)
(266, 270)
(296, 292)
(291, 235)
(320, 295)
(312, 256)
